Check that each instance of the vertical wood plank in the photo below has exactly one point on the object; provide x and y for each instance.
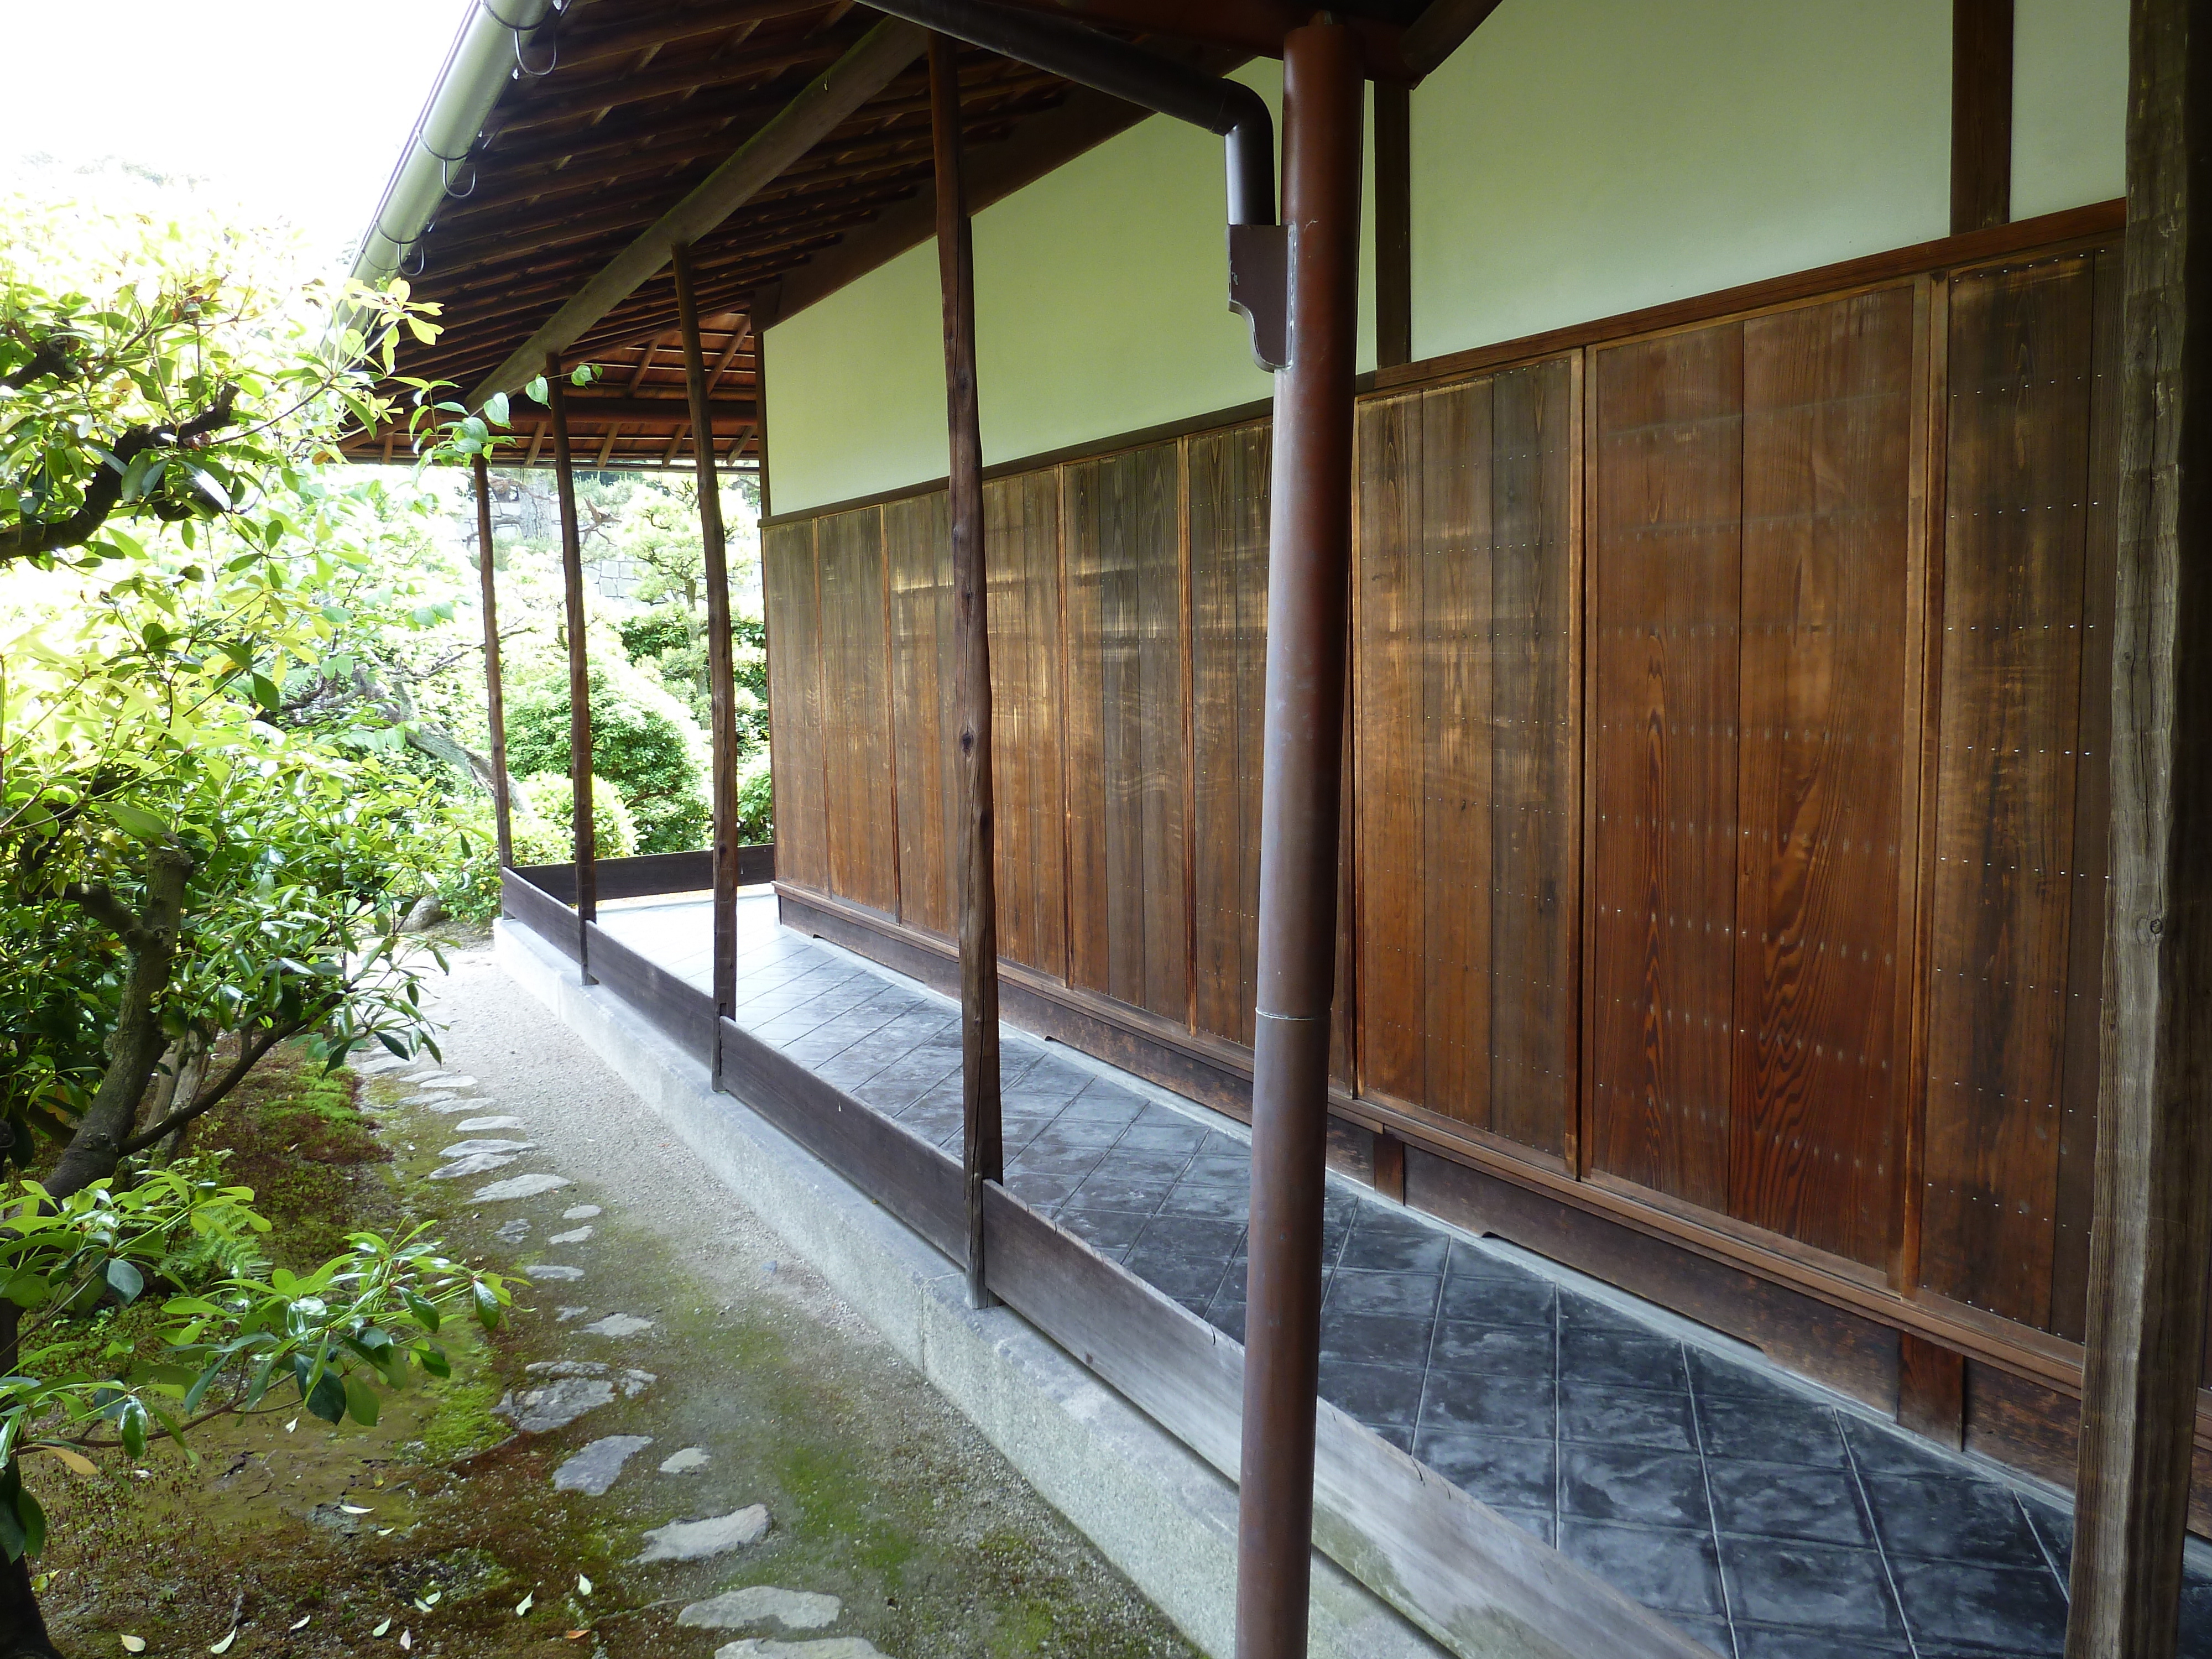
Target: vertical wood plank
(1981, 113)
(794, 672)
(1668, 574)
(918, 559)
(1021, 540)
(2015, 522)
(1827, 497)
(856, 701)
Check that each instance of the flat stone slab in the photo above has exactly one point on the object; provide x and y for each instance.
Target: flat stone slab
(555, 1406)
(527, 1186)
(567, 1314)
(471, 1126)
(574, 1235)
(579, 1212)
(547, 1272)
(694, 1540)
(473, 1163)
(684, 1461)
(440, 1080)
(762, 1604)
(594, 1469)
(616, 1324)
(828, 1647)
(437, 1100)
(512, 1232)
(473, 1148)
(633, 1383)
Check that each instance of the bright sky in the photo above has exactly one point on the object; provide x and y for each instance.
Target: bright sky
(294, 109)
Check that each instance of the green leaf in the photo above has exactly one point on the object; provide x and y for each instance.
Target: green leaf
(495, 409)
(126, 1280)
(132, 1425)
(581, 374)
(328, 1400)
(32, 1520)
(426, 1315)
(537, 391)
(432, 1359)
(360, 1399)
(134, 820)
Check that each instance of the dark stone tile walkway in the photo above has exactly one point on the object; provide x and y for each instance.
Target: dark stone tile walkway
(1762, 1519)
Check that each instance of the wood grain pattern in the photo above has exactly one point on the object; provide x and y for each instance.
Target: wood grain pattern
(795, 685)
(1022, 543)
(2017, 492)
(1228, 624)
(1668, 440)
(1827, 472)
(858, 782)
(1128, 758)
(918, 561)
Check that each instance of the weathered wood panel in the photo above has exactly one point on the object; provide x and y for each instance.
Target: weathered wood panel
(1668, 579)
(918, 560)
(2017, 496)
(858, 787)
(794, 688)
(1021, 532)
(1827, 534)
(1127, 753)
(1228, 512)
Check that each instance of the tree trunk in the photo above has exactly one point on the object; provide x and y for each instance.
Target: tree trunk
(22, 1629)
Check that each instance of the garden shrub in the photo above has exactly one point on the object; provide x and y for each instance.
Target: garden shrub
(542, 807)
(644, 742)
(756, 801)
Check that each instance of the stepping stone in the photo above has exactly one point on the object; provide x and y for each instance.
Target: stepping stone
(579, 1212)
(470, 1126)
(475, 1164)
(548, 1272)
(633, 1383)
(695, 1541)
(576, 1236)
(441, 1080)
(437, 1100)
(618, 1325)
(556, 1405)
(512, 1232)
(527, 1186)
(682, 1463)
(762, 1604)
(567, 1314)
(594, 1469)
(472, 1148)
(378, 1064)
(829, 1647)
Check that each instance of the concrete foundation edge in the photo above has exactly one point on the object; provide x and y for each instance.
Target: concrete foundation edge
(1162, 1516)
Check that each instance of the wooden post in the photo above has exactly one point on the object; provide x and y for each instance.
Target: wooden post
(579, 676)
(495, 697)
(721, 676)
(1301, 744)
(1394, 225)
(1981, 113)
(982, 1144)
(2153, 1226)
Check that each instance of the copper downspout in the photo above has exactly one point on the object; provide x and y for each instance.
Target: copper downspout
(722, 677)
(981, 1140)
(1308, 598)
(579, 678)
(495, 695)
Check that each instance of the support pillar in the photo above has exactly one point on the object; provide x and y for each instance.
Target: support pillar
(722, 677)
(1308, 596)
(2153, 1226)
(494, 696)
(983, 1146)
(579, 676)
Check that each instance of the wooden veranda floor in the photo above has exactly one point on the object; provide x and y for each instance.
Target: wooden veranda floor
(1764, 1516)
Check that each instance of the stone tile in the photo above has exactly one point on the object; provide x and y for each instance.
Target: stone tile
(1634, 1359)
(1395, 1433)
(1373, 1394)
(1219, 1170)
(1537, 1523)
(1665, 1570)
(1105, 1189)
(1711, 1633)
(1405, 1294)
(1879, 1451)
(1522, 1300)
(1953, 1518)
(1383, 1337)
(1087, 1134)
(1163, 1168)
(1631, 1483)
(1221, 1203)
(1491, 1405)
(2054, 1529)
(1227, 1316)
(1787, 1500)
(1105, 1102)
(1512, 1350)
(1781, 1429)
(1044, 1157)
(1796, 1642)
(1040, 1190)
(1383, 1242)
(1501, 1471)
(1604, 1414)
(1148, 1137)
(2013, 1611)
(1195, 1238)
(1102, 1230)
(1585, 1313)
(1842, 1591)
(1472, 1261)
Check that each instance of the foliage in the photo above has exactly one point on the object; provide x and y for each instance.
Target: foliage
(643, 741)
(543, 810)
(332, 1340)
(756, 801)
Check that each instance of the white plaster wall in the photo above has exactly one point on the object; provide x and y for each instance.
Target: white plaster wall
(2069, 104)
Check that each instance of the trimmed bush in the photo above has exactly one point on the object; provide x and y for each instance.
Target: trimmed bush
(643, 741)
(544, 809)
(756, 801)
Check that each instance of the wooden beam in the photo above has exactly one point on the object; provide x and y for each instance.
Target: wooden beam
(1981, 113)
(580, 674)
(2153, 1226)
(1394, 226)
(881, 55)
(604, 45)
(1441, 31)
(495, 695)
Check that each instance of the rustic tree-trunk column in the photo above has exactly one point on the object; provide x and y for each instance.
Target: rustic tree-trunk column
(2153, 1226)
(494, 696)
(721, 679)
(579, 676)
(1309, 589)
(983, 1148)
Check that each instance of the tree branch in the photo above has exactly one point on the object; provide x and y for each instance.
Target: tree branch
(250, 1054)
(104, 489)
